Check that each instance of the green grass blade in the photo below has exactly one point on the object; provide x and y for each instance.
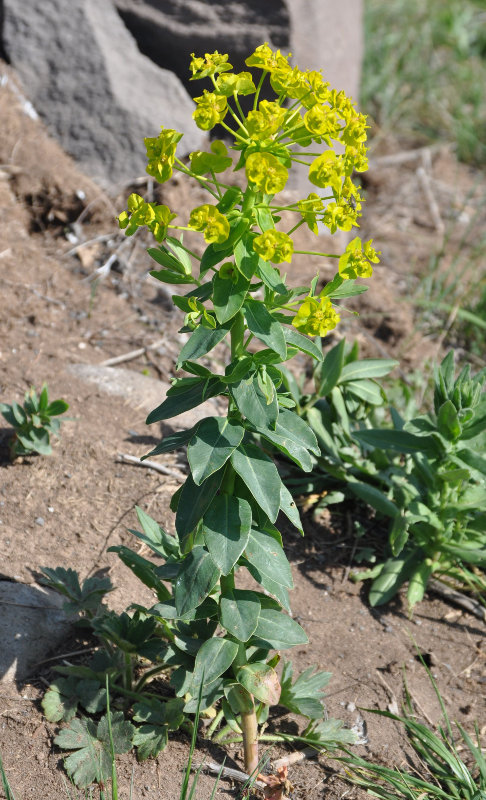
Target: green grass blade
(6, 786)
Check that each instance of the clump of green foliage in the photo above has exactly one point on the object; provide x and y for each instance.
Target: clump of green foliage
(33, 422)
(425, 68)
(425, 474)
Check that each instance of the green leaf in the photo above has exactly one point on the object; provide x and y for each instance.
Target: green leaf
(172, 442)
(301, 342)
(229, 295)
(331, 368)
(213, 658)
(252, 403)
(374, 497)
(473, 460)
(154, 536)
(394, 573)
(367, 368)
(246, 259)
(162, 256)
(272, 587)
(226, 527)
(261, 681)
(183, 397)
(275, 630)
(60, 702)
(266, 554)
(260, 475)
(210, 694)
(202, 341)
(167, 276)
(365, 390)
(399, 534)
(194, 502)
(294, 437)
(213, 256)
(239, 612)
(304, 695)
(448, 421)
(212, 445)
(348, 289)
(92, 759)
(399, 441)
(181, 253)
(261, 323)
(271, 277)
(141, 567)
(128, 633)
(197, 577)
(66, 582)
(289, 508)
(158, 719)
(56, 407)
(418, 583)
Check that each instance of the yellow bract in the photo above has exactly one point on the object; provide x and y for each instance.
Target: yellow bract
(265, 122)
(355, 261)
(274, 246)
(161, 154)
(229, 83)
(316, 317)
(266, 173)
(211, 109)
(327, 170)
(156, 218)
(209, 65)
(207, 218)
(265, 58)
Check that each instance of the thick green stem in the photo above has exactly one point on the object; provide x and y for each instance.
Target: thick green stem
(214, 724)
(237, 335)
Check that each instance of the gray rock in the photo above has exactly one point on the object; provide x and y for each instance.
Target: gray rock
(89, 82)
(140, 391)
(32, 625)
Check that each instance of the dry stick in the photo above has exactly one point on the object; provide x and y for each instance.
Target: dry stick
(110, 362)
(228, 772)
(408, 155)
(468, 603)
(295, 758)
(425, 182)
(128, 459)
(104, 237)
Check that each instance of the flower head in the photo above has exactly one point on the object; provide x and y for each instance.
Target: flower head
(309, 210)
(157, 218)
(209, 65)
(207, 218)
(316, 317)
(211, 109)
(265, 58)
(355, 261)
(327, 170)
(322, 121)
(266, 173)
(265, 122)
(161, 154)
(231, 83)
(274, 246)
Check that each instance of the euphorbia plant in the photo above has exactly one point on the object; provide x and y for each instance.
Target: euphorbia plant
(227, 509)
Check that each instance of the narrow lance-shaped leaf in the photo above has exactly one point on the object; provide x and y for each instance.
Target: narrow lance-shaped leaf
(261, 323)
(197, 577)
(226, 527)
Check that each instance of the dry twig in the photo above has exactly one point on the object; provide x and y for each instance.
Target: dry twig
(126, 458)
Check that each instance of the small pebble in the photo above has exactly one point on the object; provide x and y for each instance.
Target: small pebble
(39, 521)
(50, 509)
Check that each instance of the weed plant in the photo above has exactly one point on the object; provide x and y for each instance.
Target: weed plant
(33, 423)
(425, 474)
(215, 640)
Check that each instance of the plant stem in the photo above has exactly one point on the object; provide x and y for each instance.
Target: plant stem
(250, 740)
(214, 724)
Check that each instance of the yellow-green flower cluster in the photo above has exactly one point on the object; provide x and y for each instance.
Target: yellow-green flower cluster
(356, 260)
(274, 246)
(207, 218)
(316, 317)
(265, 122)
(161, 154)
(211, 109)
(266, 172)
(157, 218)
(211, 64)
